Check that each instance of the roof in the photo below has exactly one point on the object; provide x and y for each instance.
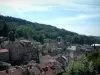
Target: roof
(3, 50)
(95, 44)
(4, 64)
(1, 37)
(73, 48)
(61, 44)
(24, 40)
(12, 72)
(46, 59)
(38, 69)
(4, 43)
(64, 58)
(32, 62)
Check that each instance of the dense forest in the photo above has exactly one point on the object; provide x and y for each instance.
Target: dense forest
(41, 32)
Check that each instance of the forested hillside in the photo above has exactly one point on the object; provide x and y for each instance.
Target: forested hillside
(40, 32)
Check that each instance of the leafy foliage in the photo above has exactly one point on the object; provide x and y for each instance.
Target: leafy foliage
(89, 65)
(3, 29)
(11, 36)
(82, 67)
(95, 58)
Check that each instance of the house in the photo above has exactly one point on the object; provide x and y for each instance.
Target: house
(47, 67)
(63, 62)
(42, 68)
(74, 52)
(48, 48)
(4, 55)
(16, 50)
(26, 42)
(96, 46)
(46, 59)
(36, 69)
(52, 62)
(2, 39)
(86, 49)
(61, 44)
(71, 51)
(20, 51)
(54, 48)
(39, 69)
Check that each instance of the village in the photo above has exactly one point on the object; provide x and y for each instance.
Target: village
(25, 57)
(49, 37)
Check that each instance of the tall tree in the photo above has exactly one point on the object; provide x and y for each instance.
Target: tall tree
(11, 35)
(4, 29)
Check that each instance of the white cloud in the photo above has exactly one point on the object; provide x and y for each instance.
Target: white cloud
(82, 7)
(28, 2)
(20, 6)
(85, 29)
(53, 1)
(76, 24)
(81, 29)
(85, 16)
(24, 5)
(35, 5)
(47, 1)
(70, 20)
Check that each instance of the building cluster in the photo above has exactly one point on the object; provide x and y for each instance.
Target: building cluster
(48, 66)
(67, 49)
(53, 57)
(19, 50)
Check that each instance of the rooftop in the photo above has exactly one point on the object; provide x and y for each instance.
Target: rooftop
(46, 59)
(73, 48)
(24, 41)
(95, 44)
(12, 72)
(3, 50)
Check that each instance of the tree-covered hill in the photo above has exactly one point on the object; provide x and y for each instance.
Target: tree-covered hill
(41, 32)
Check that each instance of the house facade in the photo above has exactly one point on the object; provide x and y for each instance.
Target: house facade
(4, 55)
(20, 51)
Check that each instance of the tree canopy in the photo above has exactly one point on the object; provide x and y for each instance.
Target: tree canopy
(41, 32)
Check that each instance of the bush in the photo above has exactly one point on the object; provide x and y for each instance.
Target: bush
(82, 67)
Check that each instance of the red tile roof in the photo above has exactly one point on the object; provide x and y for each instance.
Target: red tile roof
(48, 72)
(3, 50)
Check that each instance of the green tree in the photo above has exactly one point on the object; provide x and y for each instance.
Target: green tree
(81, 67)
(95, 58)
(4, 29)
(41, 38)
(11, 35)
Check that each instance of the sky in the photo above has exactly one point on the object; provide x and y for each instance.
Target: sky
(81, 16)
